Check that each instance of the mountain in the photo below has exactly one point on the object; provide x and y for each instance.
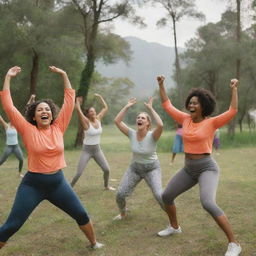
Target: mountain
(147, 61)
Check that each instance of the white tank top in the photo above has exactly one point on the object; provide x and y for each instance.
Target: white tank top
(11, 136)
(92, 134)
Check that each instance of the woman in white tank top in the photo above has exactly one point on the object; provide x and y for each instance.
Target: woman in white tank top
(91, 122)
(11, 144)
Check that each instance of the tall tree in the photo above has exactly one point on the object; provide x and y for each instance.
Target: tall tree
(177, 10)
(95, 14)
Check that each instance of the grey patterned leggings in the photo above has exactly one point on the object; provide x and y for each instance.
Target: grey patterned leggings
(151, 173)
(12, 149)
(95, 152)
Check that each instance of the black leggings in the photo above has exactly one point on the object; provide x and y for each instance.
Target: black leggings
(34, 188)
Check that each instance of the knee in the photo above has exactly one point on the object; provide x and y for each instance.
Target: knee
(167, 198)
(120, 196)
(210, 206)
(82, 218)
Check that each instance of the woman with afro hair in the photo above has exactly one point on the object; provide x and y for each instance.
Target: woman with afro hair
(200, 167)
(42, 133)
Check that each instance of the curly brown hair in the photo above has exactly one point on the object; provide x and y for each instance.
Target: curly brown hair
(206, 99)
(31, 109)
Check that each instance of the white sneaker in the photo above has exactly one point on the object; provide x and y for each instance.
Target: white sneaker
(97, 245)
(119, 217)
(233, 249)
(169, 231)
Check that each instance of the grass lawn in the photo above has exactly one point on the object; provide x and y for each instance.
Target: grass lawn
(50, 232)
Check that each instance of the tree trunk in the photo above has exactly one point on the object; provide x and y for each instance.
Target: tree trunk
(177, 67)
(34, 72)
(231, 127)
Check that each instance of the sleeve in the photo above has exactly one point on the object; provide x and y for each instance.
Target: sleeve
(15, 117)
(66, 111)
(224, 118)
(130, 133)
(176, 114)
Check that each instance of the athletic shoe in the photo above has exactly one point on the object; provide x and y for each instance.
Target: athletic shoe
(97, 245)
(169, 231)
(119, 217)
(233, 249)
(110, 188)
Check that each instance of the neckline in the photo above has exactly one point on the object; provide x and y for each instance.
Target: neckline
(97, 123)
(142, 138)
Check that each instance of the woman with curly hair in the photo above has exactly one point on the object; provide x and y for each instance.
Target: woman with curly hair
(200, 167)
(42, 133)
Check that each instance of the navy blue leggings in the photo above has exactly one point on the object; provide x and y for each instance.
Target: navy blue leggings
(34, 188)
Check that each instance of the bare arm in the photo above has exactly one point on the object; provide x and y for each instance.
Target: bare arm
(31, 99)
(234, 98)
(163, 95)
(104, 110)
(84, 120)
(120, 116)
(12, 72)
(159, 123)
(3, 123)
(67, 84)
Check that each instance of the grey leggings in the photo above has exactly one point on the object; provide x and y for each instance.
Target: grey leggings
(151, 173)
(95, 152)
(12, 149)
(204, 171)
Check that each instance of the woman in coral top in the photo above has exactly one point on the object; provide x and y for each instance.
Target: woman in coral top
(200, 167)
(42, 133)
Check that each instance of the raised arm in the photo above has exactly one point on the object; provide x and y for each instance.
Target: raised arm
(3, 123)
(159, 123)
(234, 97)
(15, 117)
(163, 95)
(12, 72)
(84, 120)
(65, 114)
(104, 110)
(120, 116)
(176, 114)
(225, 117)
(66, 82)
(31, 99)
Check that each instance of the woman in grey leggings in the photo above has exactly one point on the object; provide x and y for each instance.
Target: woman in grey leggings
(144, 164)
(91, 122)
(12, 146)
(200, 167)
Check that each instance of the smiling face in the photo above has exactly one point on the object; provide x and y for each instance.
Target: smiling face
(194, 107)
(43, 115)
(143, 121)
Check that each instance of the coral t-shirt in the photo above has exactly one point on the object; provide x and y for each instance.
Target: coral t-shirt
(198, 137)
(45, 147)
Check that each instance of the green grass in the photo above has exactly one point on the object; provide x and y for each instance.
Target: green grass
(49, 232)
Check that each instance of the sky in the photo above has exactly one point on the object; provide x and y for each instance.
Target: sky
(186, 28)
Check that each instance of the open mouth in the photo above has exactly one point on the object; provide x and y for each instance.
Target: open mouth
(139, 123)
(192, 111)
(44, 117)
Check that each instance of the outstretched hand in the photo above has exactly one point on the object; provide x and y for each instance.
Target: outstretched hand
(13, 71)
(160, 79)
(149, 104)
(56, 70)
(79, 100)
(233, 83)
(97, 95)
(131, 102)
